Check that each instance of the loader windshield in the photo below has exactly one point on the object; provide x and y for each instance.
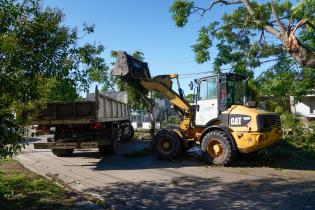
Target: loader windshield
(236, 90)
(232, 90)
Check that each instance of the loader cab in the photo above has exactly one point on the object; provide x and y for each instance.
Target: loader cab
(216, 94)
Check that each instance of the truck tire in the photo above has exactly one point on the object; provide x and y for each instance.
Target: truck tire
(113, 147)
(128, 136)
(218, 148)
(166, 144)
(62, 152)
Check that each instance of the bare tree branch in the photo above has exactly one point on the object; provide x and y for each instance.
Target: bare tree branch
(277, 19)
(310, 24)
(225, 2)
(262, 39)
(268, 28)
(294, 47)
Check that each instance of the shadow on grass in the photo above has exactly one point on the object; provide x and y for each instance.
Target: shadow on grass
(32, 201)
(284, 155)
(22, 189)
(188, 192)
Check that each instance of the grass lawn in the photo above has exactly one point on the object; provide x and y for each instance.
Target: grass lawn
(23, 189)
(295, 152)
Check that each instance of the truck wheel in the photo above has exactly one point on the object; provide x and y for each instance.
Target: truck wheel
(110, 149)
(62, 152)
(166, 144)
(128, 135)
(218, 148)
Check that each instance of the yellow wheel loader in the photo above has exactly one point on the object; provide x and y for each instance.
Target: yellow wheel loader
(222, 121)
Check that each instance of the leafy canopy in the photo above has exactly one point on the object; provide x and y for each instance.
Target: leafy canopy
(40, 60)
(251, 36)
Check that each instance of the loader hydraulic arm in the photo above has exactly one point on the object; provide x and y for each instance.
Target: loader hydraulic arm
(130, 68)
(161, 84)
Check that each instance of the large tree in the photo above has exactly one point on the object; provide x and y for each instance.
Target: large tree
(39, 56)
(240, 34)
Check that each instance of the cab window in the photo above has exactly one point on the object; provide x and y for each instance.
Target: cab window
(208, 89)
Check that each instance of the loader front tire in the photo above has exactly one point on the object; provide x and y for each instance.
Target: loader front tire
(166, 144)
(218, 148)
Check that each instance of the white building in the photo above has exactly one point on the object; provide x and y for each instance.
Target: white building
(139, 119)
(305, 108)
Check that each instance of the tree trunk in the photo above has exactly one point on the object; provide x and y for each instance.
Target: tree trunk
(294, 47)
(302, 55)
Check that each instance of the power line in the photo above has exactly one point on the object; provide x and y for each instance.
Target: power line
(186, 75)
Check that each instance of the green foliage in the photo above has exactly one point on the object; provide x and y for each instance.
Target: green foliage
(245, 46)
(63, 90)
(282, 81)
(298, 143)
(98, 70)
(39, 57)
(20, 189)
(138, 97)
(305, 10)
(181, 9)
(190, 98)
(297, 134)
(203, 44)
(290, 125)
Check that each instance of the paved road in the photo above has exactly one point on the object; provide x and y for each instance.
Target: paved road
(148, 183)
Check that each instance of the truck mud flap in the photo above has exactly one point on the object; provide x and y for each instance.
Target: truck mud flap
(65, 145)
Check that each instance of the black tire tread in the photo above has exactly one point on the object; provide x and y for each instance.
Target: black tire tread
(109, 149)
(230, 147)
(176, 141)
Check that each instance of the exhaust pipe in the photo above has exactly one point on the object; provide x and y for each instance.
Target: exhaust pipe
(129, 67)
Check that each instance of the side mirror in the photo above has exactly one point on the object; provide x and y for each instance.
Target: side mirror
(191, 85)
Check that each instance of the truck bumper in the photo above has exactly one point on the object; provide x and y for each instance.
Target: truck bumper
(251, 141)
(65, 145)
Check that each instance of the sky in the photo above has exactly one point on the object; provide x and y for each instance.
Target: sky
(144, 25)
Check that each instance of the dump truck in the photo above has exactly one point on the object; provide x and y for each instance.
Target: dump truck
(100, 121)
(223, 121)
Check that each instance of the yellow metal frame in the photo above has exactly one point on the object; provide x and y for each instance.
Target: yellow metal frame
(250, 141)
(163, 85)
(247, 138)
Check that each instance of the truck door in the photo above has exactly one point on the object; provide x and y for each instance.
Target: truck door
(207, 101)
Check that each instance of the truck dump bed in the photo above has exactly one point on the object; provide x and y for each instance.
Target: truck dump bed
(98, 107)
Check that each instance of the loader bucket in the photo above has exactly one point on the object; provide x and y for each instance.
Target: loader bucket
(129, 67)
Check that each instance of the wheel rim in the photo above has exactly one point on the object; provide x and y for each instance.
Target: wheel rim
(215, 148)
(165, 146)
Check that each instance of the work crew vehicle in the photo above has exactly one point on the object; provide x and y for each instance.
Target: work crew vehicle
(99, 121)
(224, 122)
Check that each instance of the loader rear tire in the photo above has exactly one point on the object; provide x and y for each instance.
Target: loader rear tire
(62, 152)
(113, 147)
(166, 144)
(218, 148)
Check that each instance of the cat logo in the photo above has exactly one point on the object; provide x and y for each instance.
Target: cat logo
(239, 120)
(236, 121)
